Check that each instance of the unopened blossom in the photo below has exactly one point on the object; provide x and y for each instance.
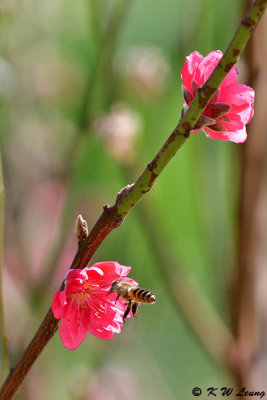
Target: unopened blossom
(85, 305)
(230, 109)
(119, 129)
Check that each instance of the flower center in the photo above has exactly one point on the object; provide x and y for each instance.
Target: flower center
(92, 297)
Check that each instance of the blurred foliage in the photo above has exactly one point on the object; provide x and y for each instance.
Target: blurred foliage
(54, 56)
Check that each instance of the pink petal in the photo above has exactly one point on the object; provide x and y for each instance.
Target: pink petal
(96, 325)
(97, 272)
(103, 319)
(110, 270)
(208, 64)
(235, 123)
(59, 303)
(245, 111)
(100, 271)
(71, 341)
(121, 270)
(230, 78)
(72, 328)
(73, 286)
(236, 93)
(190, 68)
(71, 310)
(101, 333)
(241, 99)
(114, 328)
(118, 320)
(239, 136)
(75, 274)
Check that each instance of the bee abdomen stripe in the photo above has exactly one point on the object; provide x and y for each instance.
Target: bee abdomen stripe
(145, 294)
(151, 297)
(134, 291)
(140, 292)
(142, 295)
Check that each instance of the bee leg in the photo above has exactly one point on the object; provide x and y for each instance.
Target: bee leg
(128, 309)
(117, 298)
(135, 308)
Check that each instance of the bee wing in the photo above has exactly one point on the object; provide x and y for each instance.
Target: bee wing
(131, 281)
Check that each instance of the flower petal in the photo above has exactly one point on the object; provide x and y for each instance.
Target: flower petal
(234, 124)
(71, 341)
(230, 78)
(74, 286)
(59, 303)
(101, 333)
(72, 328)
(239, 136)
(241, 99)
(190, 69)
(101, 271)
(75, 274)
(110, 270)
(208, 64)
(97, 326)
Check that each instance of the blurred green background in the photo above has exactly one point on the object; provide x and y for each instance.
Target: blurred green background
(65, 67)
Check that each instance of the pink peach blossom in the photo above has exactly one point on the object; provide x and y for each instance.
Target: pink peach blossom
(84, 305)
(230, 109)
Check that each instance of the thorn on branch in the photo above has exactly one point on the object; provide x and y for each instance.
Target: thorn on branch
(81, 229)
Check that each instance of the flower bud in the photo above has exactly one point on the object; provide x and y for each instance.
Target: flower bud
(81, 228)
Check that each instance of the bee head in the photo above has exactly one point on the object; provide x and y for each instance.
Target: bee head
(115, 284)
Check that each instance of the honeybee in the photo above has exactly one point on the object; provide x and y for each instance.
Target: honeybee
(132, 294)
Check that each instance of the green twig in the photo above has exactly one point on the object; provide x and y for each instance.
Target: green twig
(113, 216)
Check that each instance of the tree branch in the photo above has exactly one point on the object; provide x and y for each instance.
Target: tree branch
(113, 216)
(3, 341)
